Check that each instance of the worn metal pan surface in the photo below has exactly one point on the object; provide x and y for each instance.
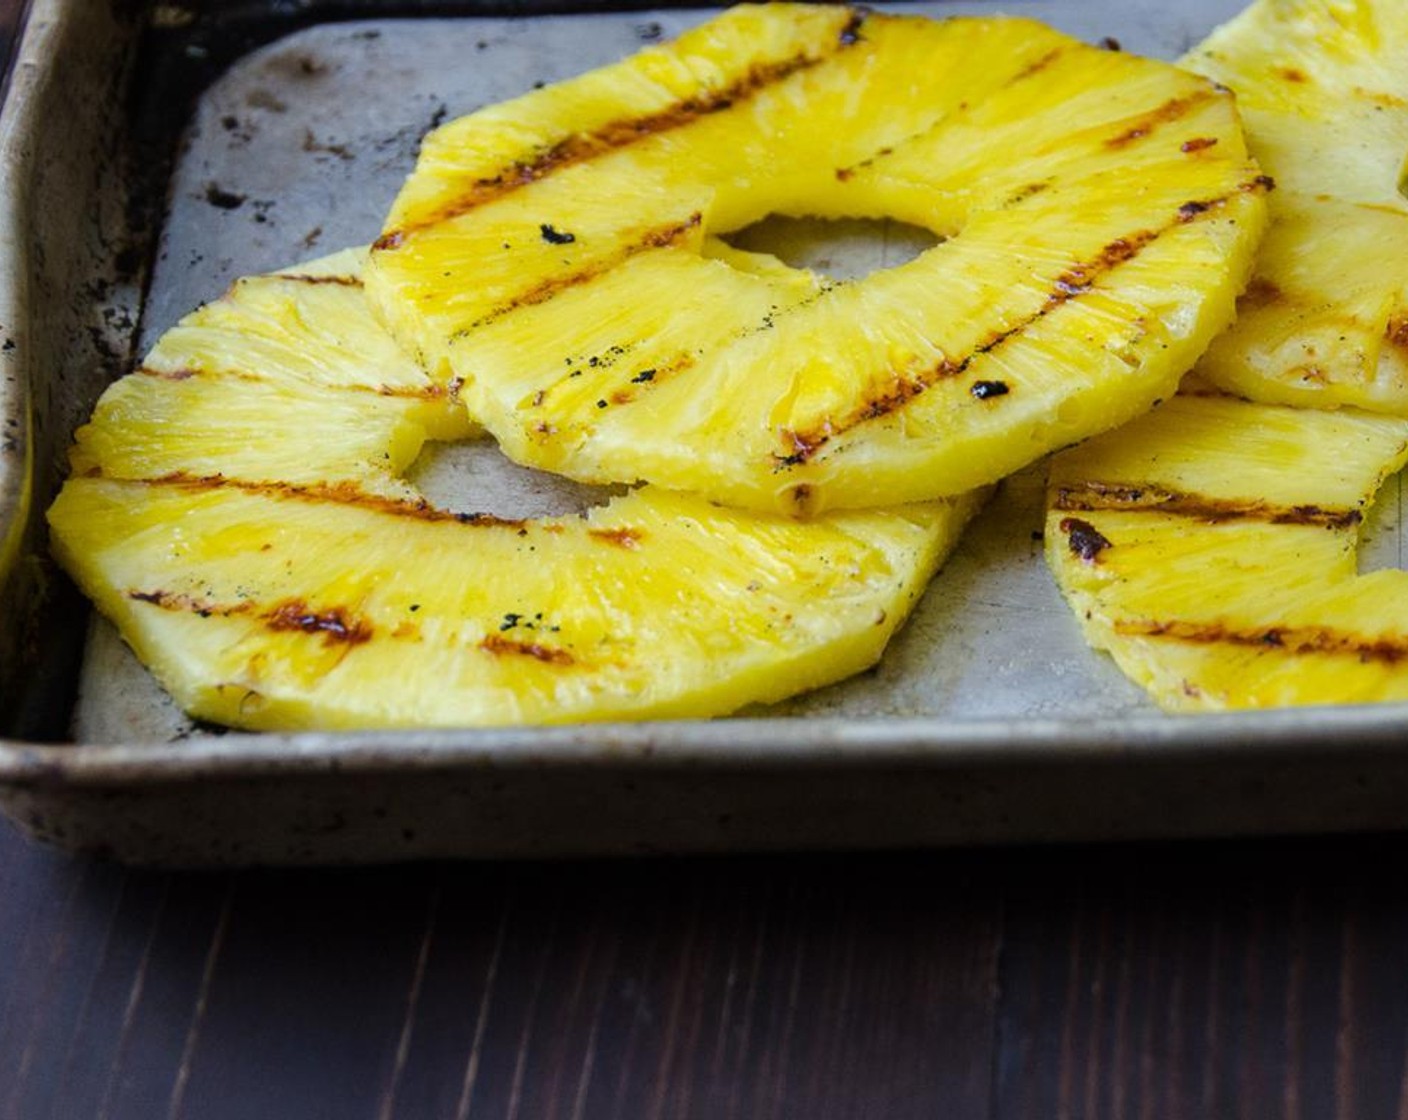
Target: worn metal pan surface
(988, 720)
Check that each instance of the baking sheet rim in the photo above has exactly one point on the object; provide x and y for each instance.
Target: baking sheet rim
(732, 744)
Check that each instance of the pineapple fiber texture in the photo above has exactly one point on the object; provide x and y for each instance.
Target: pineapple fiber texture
(1211, 548)
(556, 269)
(1323, 88)
(561, 255)
(237, 509)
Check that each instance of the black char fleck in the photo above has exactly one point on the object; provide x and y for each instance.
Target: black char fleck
(1086, 540)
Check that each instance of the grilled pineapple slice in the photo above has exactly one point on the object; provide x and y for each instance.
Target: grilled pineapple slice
(237, 510)
(1210, 548)
(1323, 88)
(560, 255)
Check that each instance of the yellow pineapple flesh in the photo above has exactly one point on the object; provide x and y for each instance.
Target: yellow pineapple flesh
(1323, 88)
(237, 508)
(560, 255)
(1211, 548)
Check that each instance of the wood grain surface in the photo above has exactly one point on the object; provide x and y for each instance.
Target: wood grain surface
(1256, 980)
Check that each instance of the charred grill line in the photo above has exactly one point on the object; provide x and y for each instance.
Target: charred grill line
(1292, 639)
(498, 645)
(1021, 194)
(648, 379)
(1262, 293)
(540, 293)
(403, 392)
(623, 395)
(621, 537)
(619, 134)
(1034, 68)
(1170, 111)
(1075, 282)
(300, 278)
(185, 373)
(340, 493)
(1093, 496)
(175, 601)
(845, 174)
(335, 624)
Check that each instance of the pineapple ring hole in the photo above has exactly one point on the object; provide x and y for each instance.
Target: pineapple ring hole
(835, 248)
(473, 476)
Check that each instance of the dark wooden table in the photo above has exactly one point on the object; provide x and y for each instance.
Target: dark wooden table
(1251, 979)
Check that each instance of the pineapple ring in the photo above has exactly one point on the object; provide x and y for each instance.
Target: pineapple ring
(558, 255)
(1210, 548)
(236, 509)
(1325, 320)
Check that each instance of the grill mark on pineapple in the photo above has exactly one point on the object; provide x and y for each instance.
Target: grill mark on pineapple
(640, 382)
(499, 646)
(336, 493)
(647, 379)
(1170, 111)
(304, 278)
(846, 174)
(659, 238)
(1093, 496)
(622, 537)
(1295, 640)
(1263, 294)
(802, 445)
(1035, 67)
(178, 601)
(1075, 282)
(334, 624)
(427, 392)
(1378, 97)
(615, 135)
(182, 374)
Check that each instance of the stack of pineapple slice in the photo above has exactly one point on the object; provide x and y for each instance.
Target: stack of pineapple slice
(1323, 88)
(237, 509)
(1211, 546)
(273, 580)
(554, 271)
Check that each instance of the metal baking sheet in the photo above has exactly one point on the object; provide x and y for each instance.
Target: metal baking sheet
(987, 719)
